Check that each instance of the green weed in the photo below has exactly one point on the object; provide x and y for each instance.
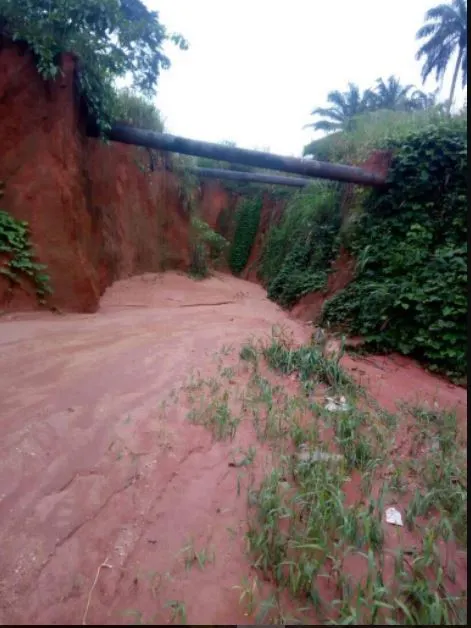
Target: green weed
(178, 615)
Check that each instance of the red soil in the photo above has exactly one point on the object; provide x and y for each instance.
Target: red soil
(92, 470)
(309, 307)
(95, 214)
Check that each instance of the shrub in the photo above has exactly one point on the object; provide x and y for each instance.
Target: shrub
(297, 253)
(207, 247)
(134, 109)
(409, 293)
(371, 131)
(18, 256)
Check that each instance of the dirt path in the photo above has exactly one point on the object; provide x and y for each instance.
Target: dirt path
(93, 472)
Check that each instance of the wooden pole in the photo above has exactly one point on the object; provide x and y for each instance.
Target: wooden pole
(306, 167)
(249, 177)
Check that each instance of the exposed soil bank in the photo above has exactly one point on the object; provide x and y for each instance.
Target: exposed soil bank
(91, 469)
(96, 212)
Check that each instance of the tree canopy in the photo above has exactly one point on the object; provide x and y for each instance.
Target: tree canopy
(112, 38)
(344, 107)
(349, 105)
(445, 33)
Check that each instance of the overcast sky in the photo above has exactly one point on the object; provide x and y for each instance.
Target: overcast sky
(255, 69)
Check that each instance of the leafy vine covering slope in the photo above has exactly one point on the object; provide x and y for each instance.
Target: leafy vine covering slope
(297, 252)
(409, 293)
(18, 254)
(409, 241)
(247, 221)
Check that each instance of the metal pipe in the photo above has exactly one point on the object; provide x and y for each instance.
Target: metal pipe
(249, 177)
(307, 167)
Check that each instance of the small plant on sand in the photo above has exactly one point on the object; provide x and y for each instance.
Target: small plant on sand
(178, 615)
(442, 473)
(18, 256)
(248, 353)
(217, 416)
(248, 594)
(309, 363)
(201, 557)
(139, 618)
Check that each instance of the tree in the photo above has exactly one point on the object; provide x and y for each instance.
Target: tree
(345, 107)
(420, 100)
(390, 94)
(445, 33)
(112, 38)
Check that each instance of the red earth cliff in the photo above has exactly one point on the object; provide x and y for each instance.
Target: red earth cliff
(95, 215)
(218, 206)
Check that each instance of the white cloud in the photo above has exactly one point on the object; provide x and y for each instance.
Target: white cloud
(255, 69)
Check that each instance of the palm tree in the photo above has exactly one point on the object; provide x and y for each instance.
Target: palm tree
(420, 100)
(446, 33)
(345, 107)
(390, 94)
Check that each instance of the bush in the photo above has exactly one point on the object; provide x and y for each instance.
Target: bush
(247, 221)
(297, 253)
(207, 247)
(134, 109)
(371, 131)
(409, 293)
(16, 248)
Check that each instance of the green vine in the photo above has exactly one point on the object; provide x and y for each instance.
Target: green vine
(409, 293)
(297, 252)
(18, 257)
(247, 221)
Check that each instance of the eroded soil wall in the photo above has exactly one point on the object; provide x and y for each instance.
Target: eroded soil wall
(96, 212)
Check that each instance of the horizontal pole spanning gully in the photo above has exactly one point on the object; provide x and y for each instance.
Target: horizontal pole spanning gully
(306, 167)
(250, 177)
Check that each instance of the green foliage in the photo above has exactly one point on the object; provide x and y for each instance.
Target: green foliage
(445, 33)
(308, 362)
(346, 108)
(207, 247)
(372, 130)
(134, 109)
(247, 221)
(297, 252)
(112, 38)
(409, 293)
(18, 256)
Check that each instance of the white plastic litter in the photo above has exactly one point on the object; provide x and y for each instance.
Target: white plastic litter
(394, 516)
(304, 455)
(336, 405)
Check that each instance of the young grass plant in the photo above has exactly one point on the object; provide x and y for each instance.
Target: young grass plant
(442, 473)
(310, 364)
(216, 416)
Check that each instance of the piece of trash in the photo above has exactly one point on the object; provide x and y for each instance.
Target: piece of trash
(435, 446)
(393, 516)
(316, 456)
(285, 486)
(336, 405)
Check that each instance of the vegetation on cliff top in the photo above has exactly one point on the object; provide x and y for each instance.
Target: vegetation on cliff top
(409, 289)
(111, 38)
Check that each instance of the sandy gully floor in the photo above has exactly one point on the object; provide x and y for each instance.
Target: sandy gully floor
(92, 471)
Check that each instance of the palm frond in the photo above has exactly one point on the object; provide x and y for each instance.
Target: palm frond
(325, 125)
(444, 33)
(330, 112)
